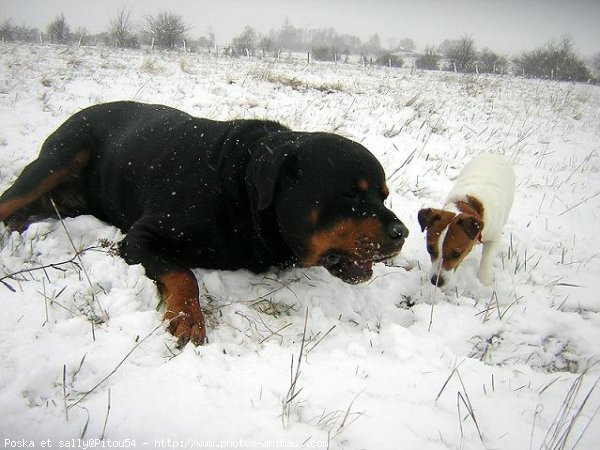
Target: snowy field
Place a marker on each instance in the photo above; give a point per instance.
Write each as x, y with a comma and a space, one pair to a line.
390, 364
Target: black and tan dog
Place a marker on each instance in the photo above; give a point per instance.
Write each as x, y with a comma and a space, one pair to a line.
193, 192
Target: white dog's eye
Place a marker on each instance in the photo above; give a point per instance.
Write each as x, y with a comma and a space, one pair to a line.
430, 249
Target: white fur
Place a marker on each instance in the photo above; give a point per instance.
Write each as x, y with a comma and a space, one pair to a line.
491, 180
436, 265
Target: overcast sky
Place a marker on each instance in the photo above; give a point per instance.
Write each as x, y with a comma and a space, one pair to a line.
507, 26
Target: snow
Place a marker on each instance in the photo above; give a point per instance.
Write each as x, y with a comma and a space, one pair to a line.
391, 363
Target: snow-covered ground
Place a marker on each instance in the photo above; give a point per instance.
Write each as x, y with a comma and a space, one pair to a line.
390, 364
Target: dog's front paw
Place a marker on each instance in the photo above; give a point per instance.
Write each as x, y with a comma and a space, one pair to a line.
187, 326
179, 290
486, 276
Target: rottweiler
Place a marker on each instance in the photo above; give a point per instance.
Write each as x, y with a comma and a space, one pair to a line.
193, 192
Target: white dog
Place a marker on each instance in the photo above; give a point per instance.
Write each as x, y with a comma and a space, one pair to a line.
475, 211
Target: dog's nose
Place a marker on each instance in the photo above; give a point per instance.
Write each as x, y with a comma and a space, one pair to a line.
397, 230
438, 281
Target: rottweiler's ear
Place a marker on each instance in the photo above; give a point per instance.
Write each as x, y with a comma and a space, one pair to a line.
471, 225
264, 173
427, 216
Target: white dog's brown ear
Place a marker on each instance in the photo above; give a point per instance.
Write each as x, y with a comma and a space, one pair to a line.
427, 216
471, 225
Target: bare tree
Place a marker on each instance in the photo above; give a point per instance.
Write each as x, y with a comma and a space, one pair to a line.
266, 43
373, 45
595, 63
245, 41
207, 43
6, 31
491, 62
461, 54
58, 30
289, 37
166, 28
25, 34
407, 44
119, 28
81, 34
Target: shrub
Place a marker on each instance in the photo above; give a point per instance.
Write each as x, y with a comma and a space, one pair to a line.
553, 60
6, 31
490, 62
24, 33
596, 65
389, 59
324, 53
429, 59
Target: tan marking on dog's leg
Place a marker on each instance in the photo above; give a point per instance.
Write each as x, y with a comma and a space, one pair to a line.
179, 290
11, 206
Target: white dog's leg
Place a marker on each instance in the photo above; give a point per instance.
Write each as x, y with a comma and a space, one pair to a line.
488, 252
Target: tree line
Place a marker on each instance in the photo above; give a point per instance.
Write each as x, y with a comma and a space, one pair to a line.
555, 59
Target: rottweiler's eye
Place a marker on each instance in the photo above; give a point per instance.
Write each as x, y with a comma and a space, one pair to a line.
353, 197
430, 249
455, 254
